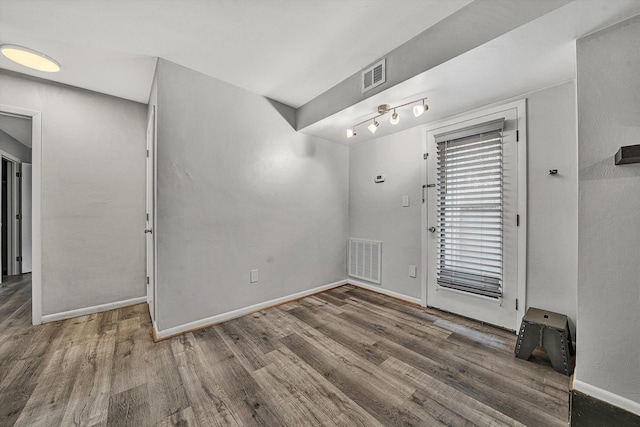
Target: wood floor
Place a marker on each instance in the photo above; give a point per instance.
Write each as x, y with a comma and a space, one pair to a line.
346, 357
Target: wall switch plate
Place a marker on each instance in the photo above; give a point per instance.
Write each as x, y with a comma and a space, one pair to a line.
253, 276
405, 201
413, 271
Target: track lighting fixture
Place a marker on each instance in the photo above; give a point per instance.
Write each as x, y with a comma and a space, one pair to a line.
395, 118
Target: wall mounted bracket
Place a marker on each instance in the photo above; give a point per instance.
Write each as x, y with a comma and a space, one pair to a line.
628, 154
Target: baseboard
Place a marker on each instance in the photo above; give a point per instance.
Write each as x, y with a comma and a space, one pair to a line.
209, 321
607, 396
587, 411
93, 309
383, 291
154, 328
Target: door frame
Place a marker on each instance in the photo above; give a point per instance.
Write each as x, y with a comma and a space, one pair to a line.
521, 111
150, 208
36, 206
25, 218
13, 228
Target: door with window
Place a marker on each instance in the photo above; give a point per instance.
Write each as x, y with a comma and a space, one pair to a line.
472, 218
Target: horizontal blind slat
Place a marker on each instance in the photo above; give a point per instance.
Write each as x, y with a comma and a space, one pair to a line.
471, 276
495, 254
475, 289
479, 151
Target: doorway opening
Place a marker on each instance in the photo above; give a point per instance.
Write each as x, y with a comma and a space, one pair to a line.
15, 196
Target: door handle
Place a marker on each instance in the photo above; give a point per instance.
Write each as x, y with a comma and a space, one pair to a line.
432, 229
148, 230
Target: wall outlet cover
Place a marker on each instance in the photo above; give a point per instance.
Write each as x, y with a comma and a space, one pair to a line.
405, 201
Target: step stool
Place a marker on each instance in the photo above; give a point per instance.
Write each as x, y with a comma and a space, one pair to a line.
549, 330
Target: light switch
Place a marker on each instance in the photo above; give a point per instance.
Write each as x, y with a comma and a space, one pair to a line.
253, 276
413, 271
405, 201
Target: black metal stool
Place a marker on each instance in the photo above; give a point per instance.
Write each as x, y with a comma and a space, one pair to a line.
549, 330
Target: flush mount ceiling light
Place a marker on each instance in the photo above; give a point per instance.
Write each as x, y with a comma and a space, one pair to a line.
395, 118
30, 58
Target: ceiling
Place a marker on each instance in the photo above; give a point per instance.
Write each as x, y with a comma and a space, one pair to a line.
287, 50
539, 54
294, 50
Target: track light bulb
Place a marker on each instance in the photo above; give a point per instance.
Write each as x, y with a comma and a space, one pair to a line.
373, 127
394, 118
419, 109
351, 132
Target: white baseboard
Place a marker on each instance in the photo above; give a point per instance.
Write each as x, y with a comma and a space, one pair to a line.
91, 310
384, 291
198, 324
607, 396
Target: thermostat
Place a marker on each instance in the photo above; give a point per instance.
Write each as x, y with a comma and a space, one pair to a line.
379, 178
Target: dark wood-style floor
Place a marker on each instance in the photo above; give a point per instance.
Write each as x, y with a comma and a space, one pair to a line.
346, 357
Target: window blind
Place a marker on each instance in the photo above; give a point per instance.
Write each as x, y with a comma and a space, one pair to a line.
470, 209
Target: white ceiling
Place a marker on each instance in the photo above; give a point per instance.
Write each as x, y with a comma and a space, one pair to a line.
294, 50
287, 50
537, 55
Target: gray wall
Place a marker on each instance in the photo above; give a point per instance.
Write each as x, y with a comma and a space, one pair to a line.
376, 212
552, 233
12, 146
239, 189
93, 153
609, 211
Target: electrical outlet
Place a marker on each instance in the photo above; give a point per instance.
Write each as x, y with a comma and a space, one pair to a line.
405, 201
253, 276
413, 271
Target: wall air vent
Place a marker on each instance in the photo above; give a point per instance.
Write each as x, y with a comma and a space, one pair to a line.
374, 76
365, 258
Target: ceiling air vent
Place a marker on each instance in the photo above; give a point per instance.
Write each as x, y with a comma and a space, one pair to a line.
374, 76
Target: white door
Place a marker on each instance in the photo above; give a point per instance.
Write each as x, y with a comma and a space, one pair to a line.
472, 207
25, 223
149, 230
